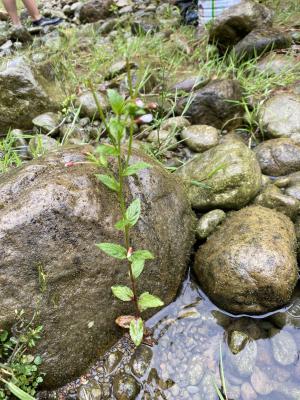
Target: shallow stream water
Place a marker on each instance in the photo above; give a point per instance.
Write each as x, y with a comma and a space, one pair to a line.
191, 334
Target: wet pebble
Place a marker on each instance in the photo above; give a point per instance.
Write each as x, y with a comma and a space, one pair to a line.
244, 362
141, 360
125, 387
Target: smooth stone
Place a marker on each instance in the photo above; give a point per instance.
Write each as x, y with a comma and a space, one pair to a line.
229, 173
112, 361
275, 64
244, 361
284, 348
208, 223
247, 392
88, 107
293, 191
280, 116
278, 157
125, 387
272, 197
261, 382
163, 138
90, 391
190, 84
216, 104
174, 124
195, 371
200, 138
237, 341
260, 41
140, 361
253, 242
47, 122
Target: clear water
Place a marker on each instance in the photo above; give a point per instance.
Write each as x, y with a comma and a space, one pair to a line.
190, 331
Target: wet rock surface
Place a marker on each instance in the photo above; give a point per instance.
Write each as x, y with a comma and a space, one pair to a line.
236, 180
278, 157
281, 116
25, 92
248, 265
237, 21
51, 202
216, 104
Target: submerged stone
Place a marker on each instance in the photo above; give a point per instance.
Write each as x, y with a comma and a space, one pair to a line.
284, 348
125, 387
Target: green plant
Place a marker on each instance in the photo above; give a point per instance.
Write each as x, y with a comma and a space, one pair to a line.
222, 393
126, 113
19, 373
9, 156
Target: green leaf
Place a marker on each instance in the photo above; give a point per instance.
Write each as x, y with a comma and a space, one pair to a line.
123, 293
137, 268
134, 168
106, 149
133, 212
38, 360
136, 331
121, 224
116, 101
147, 300
3, 336
113, 250
109, 181
116, 128
141, 255
15, 390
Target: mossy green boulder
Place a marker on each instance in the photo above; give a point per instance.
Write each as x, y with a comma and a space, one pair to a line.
229, 177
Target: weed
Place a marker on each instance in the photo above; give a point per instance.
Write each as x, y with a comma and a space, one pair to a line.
19, 373
126, 114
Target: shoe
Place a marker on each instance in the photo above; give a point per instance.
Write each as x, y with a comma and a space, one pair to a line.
47, 21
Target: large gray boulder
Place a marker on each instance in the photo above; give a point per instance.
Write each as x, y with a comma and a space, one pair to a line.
217, 104
51, 217
26, 91
249, 264
237, 21
229, 177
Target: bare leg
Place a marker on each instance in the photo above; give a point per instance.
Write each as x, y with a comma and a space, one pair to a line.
11, 8
32, 9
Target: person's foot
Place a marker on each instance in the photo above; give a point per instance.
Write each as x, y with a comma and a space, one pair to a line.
47, 21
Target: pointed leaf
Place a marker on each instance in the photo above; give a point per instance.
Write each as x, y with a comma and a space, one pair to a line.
15, 390
109, 181
134, 168
123, 293
147, 300
133, 212
136, 331
116, 101
137, 268
141, 255
106, 149
113, 250
124, 321
116, 128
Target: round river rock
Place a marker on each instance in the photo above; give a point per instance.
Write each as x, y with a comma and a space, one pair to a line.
248, 265
51, 217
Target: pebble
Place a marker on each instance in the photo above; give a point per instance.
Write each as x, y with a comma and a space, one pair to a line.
284, 348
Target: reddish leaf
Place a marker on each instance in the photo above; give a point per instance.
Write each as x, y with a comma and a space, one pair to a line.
124, 321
